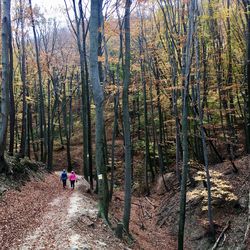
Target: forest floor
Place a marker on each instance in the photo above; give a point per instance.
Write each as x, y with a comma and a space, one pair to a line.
230, 206
154, 219
43, 215
144, 230
50, 217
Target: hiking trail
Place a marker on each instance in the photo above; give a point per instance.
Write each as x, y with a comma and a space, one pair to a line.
68, 221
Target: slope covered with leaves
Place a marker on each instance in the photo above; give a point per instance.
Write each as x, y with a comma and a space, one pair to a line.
42, 215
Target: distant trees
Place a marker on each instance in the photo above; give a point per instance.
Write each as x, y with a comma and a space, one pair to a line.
173, 85
79, 25
41, 113
22, 58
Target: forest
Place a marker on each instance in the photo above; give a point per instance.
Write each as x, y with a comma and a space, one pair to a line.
148, 101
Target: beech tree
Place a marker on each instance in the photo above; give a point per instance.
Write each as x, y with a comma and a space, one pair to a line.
187, 60
23, 78
6, 34
173, 85
247, 14
126, 119
42, 122
98, 100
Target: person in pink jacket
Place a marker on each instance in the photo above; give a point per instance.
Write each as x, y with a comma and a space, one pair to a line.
72, 178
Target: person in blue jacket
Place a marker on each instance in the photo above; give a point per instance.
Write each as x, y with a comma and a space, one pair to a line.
64, 178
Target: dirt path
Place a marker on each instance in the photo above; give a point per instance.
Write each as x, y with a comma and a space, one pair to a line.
69, 221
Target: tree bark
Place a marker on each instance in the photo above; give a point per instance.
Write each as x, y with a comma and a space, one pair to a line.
247, 10
187, 56
42, 125
5, 80
12, 100
98, 100
126, 119
23, 78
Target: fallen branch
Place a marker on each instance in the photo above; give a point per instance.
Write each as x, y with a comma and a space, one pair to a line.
148, 214
248, 223
151, 203
224, 239
221, 235
140, 217
132, 203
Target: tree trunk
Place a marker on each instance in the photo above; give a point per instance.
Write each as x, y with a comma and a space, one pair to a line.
126, 120
23, 77
98, 100
49, 162
115, 127
42, 125
5, 80
146, 135
66, 130
186, 74
12, 100
203, 135
81, 37
247, 9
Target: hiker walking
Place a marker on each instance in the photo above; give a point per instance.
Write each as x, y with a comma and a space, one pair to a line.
72, 179
64, 178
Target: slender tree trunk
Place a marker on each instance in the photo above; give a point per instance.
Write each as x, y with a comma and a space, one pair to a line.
98, 99
85, 127
5, 80
30, 121
42, 125
70, 104
247, 9
28, 129
60, 126
187, 65
160, 117
147, 156
116, 102
66, 130
51, 120
89, 155
138, 114
49, 162
203, 136
126, 120
23, 77
114, 132
230, 115
12, 100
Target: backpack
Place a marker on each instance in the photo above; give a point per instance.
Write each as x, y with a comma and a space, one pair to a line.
64, 176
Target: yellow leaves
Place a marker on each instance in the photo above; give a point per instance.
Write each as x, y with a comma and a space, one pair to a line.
111, 27
111, 89
101, 59
135, 67
29, 100
174, 88
18, 84
113, 60
221, 189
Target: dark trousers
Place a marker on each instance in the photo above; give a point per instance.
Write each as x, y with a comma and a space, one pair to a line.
64, 183
72, 184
